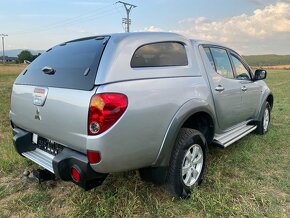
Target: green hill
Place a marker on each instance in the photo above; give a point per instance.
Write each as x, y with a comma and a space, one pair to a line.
267, 60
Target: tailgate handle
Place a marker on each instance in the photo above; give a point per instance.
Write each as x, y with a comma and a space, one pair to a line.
48, 70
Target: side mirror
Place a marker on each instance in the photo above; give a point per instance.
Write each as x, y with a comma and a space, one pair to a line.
260, 74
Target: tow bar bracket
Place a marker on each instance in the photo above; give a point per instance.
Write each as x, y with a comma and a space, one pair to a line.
43, 175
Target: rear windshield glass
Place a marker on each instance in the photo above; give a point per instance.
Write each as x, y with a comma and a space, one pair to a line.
70, 65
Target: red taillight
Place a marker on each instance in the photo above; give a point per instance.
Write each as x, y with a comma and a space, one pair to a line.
105, 109
94, 157
76, 176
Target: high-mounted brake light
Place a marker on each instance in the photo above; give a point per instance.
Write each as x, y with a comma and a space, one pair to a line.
105, 110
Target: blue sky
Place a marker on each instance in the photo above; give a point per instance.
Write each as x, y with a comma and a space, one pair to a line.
249, 26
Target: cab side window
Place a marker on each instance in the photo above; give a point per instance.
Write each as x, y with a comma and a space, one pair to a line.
241, 72
208, 54
222, 62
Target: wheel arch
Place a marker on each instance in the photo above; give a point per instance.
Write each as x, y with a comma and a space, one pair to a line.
203, 122
192, 114
268, 98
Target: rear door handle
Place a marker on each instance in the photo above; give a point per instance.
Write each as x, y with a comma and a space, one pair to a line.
219, 88
244, 88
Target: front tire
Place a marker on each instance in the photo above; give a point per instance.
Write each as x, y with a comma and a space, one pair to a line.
263, 125
188, 162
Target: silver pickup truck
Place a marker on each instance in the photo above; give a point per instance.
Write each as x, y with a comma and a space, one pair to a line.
147, 101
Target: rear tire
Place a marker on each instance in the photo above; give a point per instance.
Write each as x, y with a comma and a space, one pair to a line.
188, 162
263, 125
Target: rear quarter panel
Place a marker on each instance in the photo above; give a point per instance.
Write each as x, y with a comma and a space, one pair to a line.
135, 140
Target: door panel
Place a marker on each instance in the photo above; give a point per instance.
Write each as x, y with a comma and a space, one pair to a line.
250, 91
250, 99
227, 102
226, 92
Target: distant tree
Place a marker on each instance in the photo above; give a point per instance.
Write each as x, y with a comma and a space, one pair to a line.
25, 55
35, 56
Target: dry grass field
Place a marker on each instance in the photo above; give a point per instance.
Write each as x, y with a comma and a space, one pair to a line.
250, 178
11, 69
279, 67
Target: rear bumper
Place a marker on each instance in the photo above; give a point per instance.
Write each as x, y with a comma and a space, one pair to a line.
59, 164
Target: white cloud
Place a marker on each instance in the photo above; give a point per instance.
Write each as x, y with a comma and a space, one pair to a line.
152, 29
256, 33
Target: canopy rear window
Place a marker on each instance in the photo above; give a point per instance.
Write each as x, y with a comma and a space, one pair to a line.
160, 54
71, 65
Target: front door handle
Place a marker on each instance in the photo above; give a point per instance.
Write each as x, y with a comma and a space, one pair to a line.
244, 88
219, 88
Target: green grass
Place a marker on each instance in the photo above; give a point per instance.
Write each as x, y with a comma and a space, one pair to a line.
250, 178
267, 60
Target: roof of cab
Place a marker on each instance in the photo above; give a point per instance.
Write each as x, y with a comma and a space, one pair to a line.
131, 35
146, 35
140, 35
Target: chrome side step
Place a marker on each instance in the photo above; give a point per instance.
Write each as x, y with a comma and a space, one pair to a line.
40, 157
224, 140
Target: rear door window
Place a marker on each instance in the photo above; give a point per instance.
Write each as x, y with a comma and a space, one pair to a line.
222, 62
209, 56
74, 63
160, 54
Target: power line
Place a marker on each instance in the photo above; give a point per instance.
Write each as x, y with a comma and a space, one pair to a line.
77, 19
128, 7
59, 23
3, 56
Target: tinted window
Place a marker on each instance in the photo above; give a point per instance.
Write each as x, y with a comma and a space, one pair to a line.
75, 64
241, 72
208, 53
160, 55
222, 62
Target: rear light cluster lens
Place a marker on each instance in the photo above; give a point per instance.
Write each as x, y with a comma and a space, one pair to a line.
105, 109
94, 157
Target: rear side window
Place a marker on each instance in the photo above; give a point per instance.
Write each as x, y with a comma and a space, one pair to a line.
222, 62
208, 54
74, 64
160, 55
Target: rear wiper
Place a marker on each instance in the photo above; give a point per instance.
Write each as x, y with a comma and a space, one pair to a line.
48, 70
87, 71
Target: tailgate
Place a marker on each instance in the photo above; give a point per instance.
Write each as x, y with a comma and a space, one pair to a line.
52, 95
62, 118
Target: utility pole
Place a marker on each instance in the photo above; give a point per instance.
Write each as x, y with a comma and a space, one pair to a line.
127, 21
3, 57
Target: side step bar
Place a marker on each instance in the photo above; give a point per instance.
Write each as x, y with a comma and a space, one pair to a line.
40, 157
224, 140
